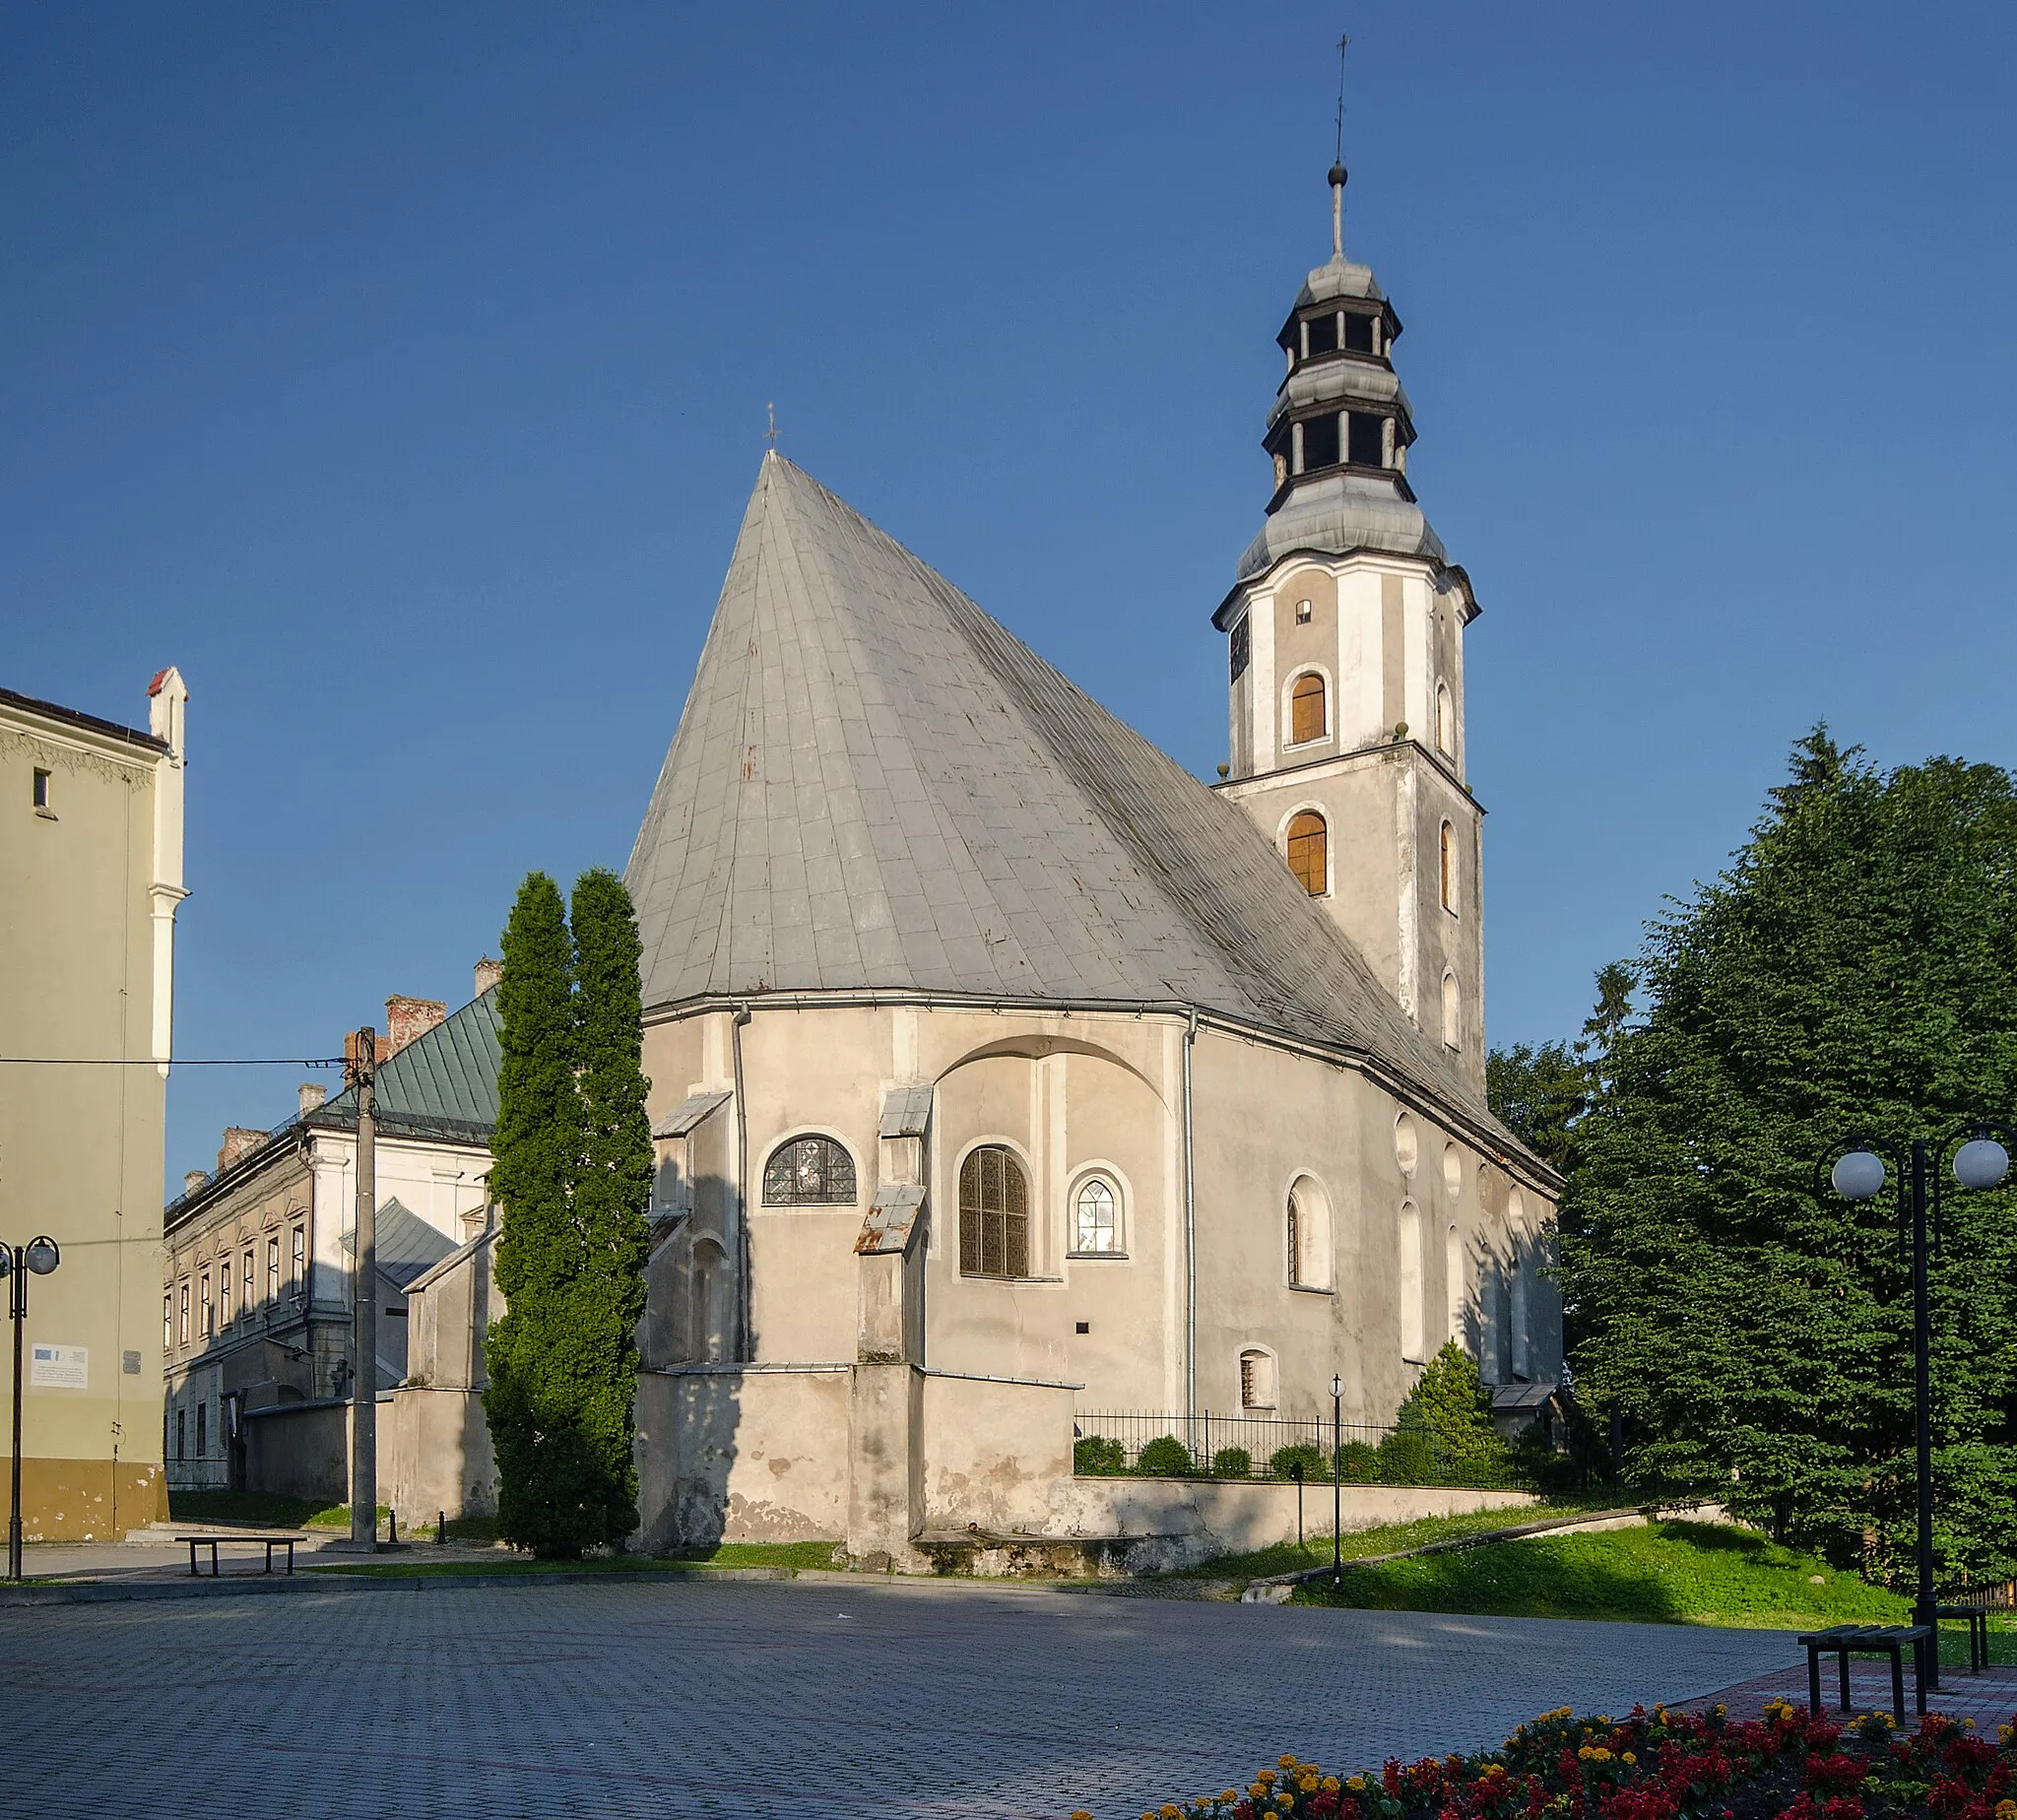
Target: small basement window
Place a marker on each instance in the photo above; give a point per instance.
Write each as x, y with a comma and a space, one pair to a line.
1358, 334
1320, 334
1368, 440
1319, 443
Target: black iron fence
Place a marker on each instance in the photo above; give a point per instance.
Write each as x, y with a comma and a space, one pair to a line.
1109, 1441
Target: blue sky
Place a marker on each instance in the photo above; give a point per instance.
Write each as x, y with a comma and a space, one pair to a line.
401, 373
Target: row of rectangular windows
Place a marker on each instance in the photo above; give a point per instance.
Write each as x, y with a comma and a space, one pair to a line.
175, 1308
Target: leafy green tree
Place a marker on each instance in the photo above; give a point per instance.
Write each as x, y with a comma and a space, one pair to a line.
1853, 970
571, 1170
1537, 1093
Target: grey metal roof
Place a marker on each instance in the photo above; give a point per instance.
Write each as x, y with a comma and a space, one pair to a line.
891, 1218
1339, 512
1338, 276
689, 1113
443, 1084
906, 1112
407, 1247
875, 786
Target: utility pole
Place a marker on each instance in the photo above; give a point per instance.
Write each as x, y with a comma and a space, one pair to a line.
360, 1065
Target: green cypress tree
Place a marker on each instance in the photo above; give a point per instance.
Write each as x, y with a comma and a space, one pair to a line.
1853, 970
612, 1189
536, 1151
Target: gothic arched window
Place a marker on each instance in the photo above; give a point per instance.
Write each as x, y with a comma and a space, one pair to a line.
1309, 854
994, 1214
1094, 1227
809, 1172
1306, 708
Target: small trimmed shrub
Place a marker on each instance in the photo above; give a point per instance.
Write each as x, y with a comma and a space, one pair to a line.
1284, 1460
1094, 1453
1410, 1457
1166, 1457
1358, 1463
1232, 1463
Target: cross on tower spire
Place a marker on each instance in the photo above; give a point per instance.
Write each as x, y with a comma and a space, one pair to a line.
1338, 171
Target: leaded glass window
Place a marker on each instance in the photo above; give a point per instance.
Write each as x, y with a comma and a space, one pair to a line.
1093, 1227
809, 1172
994, 1214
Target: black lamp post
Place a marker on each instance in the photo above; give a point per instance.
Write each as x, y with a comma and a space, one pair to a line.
1337, 1480
1980, 1162
17, 1262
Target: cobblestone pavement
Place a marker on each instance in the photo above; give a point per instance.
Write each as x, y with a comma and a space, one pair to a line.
1989, 1697
765, 1700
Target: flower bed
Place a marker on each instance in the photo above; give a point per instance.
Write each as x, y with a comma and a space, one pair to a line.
1658, 1766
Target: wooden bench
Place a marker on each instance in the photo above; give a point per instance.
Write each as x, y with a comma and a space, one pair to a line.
1976, 1619
271, 1543
1891, 1640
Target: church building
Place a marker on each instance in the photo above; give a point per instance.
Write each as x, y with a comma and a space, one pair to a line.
1004, 1071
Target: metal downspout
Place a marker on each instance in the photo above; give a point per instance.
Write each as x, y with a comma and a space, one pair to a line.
742, 1350
1189, 1238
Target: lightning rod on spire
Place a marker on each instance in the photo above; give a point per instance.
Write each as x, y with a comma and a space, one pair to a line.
1338, 171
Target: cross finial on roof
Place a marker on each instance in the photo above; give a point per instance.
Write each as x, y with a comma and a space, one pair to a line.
770, 435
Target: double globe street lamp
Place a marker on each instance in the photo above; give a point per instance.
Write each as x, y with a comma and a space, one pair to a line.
1982, 1161
39, 1256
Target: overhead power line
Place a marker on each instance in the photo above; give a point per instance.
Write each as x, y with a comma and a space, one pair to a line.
172, 1061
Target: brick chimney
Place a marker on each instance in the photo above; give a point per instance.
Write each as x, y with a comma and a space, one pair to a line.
311, 1095
239, 1141
489, 973
406, 1019
194, 1180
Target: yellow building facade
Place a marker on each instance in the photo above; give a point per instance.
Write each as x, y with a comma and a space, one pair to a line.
91, 878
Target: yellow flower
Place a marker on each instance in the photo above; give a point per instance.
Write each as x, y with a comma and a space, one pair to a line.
1630, 1757
1228, 1798
1331, 1787
1079, 1813
2006, 1810
1267, 1779
1287, 1760
1169, 1810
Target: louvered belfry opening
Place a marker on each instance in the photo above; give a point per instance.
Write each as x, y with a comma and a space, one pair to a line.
994, 1214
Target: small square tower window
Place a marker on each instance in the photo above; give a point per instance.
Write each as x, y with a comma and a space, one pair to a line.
42, 790
1303, 613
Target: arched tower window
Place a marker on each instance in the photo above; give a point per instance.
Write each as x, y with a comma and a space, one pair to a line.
994, 1214
809, 1172
1306, 719
1452, 1014
1309, 852
1445, 721
1447, 846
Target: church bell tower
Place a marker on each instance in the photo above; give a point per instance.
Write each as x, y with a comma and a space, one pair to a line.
1344, 635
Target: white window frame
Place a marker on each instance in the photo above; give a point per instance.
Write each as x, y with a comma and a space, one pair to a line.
1108, 1178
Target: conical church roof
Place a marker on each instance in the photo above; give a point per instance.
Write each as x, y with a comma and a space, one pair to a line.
875, 786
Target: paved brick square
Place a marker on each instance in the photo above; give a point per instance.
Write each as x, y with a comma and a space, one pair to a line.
765, 1700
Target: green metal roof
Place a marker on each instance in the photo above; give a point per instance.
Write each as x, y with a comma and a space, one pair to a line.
443, 1084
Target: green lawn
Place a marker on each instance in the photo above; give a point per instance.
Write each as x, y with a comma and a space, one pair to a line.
260, 1510
1386, 1538
1668, 1573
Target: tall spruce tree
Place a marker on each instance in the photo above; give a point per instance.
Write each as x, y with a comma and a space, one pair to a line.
571, 1172
1854, 969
